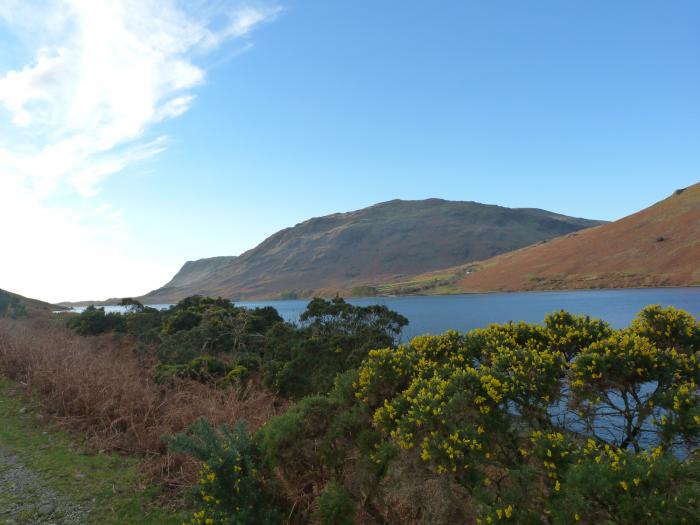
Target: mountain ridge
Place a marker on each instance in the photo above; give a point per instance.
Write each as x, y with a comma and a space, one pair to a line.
658, 246
384, 241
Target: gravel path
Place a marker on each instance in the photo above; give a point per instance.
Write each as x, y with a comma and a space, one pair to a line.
26, 500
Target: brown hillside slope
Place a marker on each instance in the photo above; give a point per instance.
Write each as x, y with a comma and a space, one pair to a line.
658, 246
375, 244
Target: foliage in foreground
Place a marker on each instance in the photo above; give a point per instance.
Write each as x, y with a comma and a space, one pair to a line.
230, 490
570, 421
100, 388
566, 422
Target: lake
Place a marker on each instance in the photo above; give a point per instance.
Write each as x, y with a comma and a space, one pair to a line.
435, 314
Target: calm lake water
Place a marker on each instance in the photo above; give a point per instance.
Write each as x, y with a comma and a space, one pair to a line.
435, 314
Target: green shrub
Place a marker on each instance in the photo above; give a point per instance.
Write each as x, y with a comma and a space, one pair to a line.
293, 360
231, 489
207, 367
295, 440
204, 326
241, 368
165, 373
333, 336
203, 368
145, 325
181, 321
94, 321
653, 489
322, 437
565, 422
335, 505
262, 319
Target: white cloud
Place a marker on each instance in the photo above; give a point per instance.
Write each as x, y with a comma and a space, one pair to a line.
100, 75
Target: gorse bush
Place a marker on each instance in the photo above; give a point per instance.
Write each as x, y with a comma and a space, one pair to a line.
229, 491
570, 421
625, 487
526, 409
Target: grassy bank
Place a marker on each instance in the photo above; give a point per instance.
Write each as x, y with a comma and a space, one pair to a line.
109, 487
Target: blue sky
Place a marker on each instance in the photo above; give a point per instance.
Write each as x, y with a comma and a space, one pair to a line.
250, 117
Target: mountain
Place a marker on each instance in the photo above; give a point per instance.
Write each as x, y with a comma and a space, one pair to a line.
658, 246
383, 242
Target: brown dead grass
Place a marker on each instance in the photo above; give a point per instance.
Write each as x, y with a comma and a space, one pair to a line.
100, 388
658, 246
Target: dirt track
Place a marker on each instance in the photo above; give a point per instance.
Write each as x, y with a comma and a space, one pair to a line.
25, 498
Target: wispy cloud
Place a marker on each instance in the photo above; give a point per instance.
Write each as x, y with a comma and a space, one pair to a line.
104, 72
99, 76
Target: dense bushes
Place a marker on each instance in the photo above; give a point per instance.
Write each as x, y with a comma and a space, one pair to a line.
212, 340
570, 421
571, 415
94, 321
566, 422
333, 336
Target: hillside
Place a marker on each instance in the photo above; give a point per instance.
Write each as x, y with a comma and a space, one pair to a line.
380, 243
658, 246
13, 304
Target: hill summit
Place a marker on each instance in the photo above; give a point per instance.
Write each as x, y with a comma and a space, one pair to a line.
658, 246
379, 243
